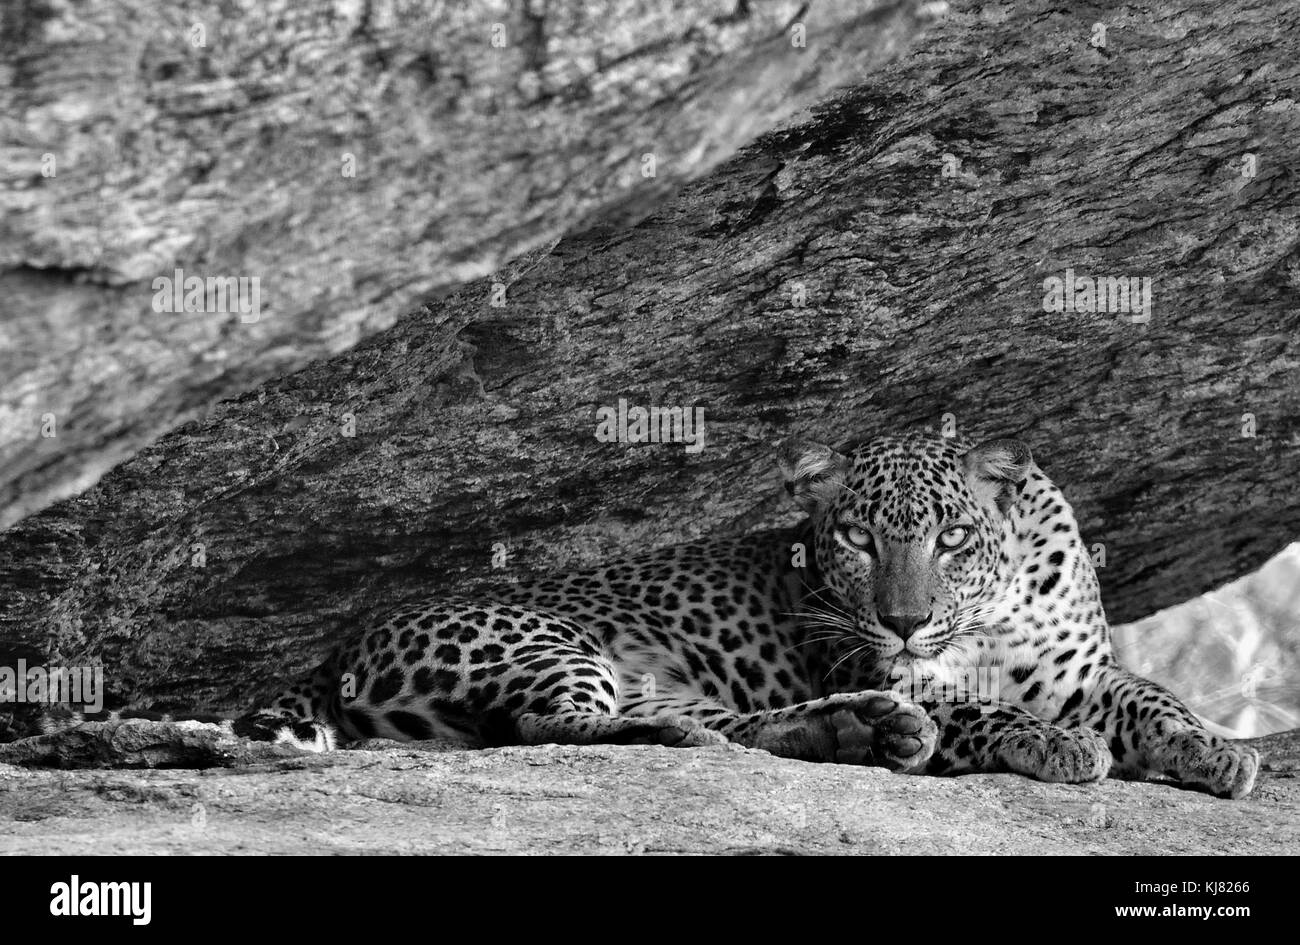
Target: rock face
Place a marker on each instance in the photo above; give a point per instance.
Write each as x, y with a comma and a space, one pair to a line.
353, 157
635, 800
885, 265
881, 267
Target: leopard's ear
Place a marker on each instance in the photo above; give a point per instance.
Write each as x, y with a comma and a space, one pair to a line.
812, 471
997, 469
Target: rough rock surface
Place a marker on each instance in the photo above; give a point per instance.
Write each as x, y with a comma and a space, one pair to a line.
627, 800
878, 267
355, 156
834, 279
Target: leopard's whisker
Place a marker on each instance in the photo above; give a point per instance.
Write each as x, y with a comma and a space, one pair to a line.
817, 593
824, 607
846, 656
826, 620
832, 640
826, 615
827, 625
822, 638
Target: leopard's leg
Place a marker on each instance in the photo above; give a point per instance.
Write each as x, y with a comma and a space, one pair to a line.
563, 723
560, 688
866, 728
999, 737
1150, 732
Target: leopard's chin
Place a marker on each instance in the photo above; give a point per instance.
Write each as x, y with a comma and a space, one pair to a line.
908, 668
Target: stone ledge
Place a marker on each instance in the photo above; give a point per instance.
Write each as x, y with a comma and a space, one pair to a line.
616, 799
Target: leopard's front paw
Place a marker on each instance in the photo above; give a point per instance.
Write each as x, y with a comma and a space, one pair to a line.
1222, 767
875, 728
1060, 755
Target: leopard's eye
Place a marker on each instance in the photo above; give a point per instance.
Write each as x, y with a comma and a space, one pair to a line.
953, 538
858, 537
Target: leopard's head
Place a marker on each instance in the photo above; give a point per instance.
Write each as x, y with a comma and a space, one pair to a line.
911, 536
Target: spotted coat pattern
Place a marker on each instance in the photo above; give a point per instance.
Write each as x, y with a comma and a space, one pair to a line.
923, 561
690, 645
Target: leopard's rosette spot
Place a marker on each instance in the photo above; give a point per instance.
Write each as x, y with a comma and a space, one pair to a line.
951, 572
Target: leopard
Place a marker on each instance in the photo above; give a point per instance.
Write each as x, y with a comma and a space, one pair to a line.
934, 611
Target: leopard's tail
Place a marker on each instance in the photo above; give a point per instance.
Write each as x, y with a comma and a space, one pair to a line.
50, 719
302, 715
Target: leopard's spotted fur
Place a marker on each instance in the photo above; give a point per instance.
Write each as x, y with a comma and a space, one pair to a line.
691, 645
800, 641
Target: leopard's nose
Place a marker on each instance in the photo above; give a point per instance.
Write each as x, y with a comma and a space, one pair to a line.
904, 624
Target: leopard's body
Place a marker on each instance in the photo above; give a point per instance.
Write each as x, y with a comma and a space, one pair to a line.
689, 645
815, 642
